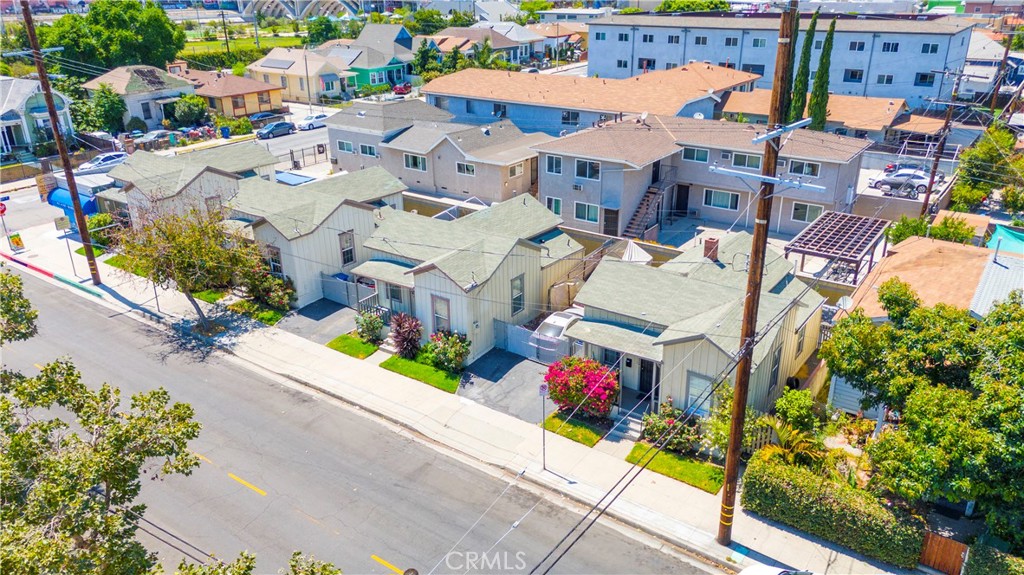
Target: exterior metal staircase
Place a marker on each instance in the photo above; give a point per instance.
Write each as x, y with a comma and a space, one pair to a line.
647, 210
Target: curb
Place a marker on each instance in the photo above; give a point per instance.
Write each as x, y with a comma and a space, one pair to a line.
692, 549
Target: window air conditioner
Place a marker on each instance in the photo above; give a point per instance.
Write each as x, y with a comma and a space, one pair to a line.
577, 188
726, 155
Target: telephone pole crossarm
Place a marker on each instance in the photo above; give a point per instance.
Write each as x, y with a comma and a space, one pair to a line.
768, 179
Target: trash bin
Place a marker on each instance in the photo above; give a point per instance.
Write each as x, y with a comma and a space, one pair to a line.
225, 132
173, 138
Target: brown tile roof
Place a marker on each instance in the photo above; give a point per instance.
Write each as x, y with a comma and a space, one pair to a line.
857, 112
477, 35
637, 144
663, 92
557, 30
447, 43
221, 85
939, 271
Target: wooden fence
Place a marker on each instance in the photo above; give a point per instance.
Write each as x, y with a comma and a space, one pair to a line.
943, 554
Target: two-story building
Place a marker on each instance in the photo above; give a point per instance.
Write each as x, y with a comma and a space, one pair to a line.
890, 56
382, 54
857, 116
24, 120
626, 177
558, 105
414, 141
146, 91
291, 68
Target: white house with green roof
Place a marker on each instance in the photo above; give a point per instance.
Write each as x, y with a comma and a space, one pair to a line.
671, 330
317, 230
474, 275
146, 90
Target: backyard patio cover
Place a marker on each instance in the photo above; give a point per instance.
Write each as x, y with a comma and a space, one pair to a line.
842, 237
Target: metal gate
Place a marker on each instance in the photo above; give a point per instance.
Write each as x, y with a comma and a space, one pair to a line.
521, 341
942, 553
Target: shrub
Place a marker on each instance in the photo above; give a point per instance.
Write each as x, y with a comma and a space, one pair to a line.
906, 228
796, 407
191, 109
96, 221
447, 350
406, 332
984, 560
1013, 199
271, 290
369, 326
238, 126
687, 435
833, 511
136, 123
966, 197
219, 59
584, 383
858, 431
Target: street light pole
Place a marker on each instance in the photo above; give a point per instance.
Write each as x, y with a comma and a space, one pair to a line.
69, 175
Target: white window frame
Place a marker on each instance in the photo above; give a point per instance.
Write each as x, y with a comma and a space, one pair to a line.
588, 163
567, 117
345, 147
890, 47
518, 294
759, 43
700, 40
586, 212
347, 242
792, 212
621, 64
623, 37
548, 164
368, 150
732, 41
746, 163
695, 158
705, 199
801, 337
803, 166
415, 159
600, 36
647, 39
273, 254
929, 48
702, 408
673, 38
284, 81
554, 205
919, 84
849, 73
515, 170
884, 80
441, 321
465, 169
302, 83
857, 45
393, 291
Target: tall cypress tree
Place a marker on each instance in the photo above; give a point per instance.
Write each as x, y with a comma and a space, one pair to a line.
818, 107
803, 73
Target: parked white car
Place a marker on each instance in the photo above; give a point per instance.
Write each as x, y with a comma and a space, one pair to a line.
102, 163
312, 121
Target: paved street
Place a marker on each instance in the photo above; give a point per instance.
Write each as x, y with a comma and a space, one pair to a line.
285, 470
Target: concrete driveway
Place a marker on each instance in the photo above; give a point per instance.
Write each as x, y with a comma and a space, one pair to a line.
320, 321
508, 383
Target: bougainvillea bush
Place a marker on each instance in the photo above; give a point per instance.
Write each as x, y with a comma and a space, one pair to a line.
579, 381
671, 421
447, 350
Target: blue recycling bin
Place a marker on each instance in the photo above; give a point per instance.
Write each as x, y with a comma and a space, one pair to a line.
225, 132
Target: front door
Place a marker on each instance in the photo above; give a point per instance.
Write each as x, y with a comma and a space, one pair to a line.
682, 200
646, 375
611, 222
655, 172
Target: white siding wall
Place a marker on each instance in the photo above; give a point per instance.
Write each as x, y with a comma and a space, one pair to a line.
192, 196
557, 272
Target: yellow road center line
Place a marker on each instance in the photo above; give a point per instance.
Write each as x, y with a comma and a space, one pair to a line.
202, 457
386, 564
37, 366
308, 516
247, 484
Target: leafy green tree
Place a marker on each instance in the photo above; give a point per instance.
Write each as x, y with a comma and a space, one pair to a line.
115, 33
692, 6
485, 57
987, 160
818, 107
428, 22
191, 109
17, 317
352, 28
803, 73
69, 485
796, 407
632, 10
454, 61
715, 427
83, 113
109, 109
425, 59
460, 19
238, 69
245, 564
188, 251
795, 446
530, 9
322, 29
898, 299
950, 229
953, 229
906, 228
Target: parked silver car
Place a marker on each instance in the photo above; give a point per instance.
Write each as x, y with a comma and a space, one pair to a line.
102, 163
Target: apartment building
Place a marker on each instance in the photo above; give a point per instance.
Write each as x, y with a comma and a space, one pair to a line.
885, 56
626, 178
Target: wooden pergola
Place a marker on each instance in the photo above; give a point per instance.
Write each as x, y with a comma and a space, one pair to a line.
846, 240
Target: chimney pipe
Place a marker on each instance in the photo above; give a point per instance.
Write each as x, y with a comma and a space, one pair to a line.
711, 249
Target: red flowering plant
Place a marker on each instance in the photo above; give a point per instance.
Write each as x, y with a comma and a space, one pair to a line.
580, 381
670, 421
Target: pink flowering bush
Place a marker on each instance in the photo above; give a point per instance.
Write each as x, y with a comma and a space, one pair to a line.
447, 350
670, 420
579, 381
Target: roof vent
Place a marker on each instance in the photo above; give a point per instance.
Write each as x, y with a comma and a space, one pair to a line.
486, 131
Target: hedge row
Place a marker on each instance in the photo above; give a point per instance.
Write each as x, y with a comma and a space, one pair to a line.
984, 560
833, 511
220, 60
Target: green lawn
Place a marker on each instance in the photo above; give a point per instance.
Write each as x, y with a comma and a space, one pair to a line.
210, 295
428, 374
96, 251
257, 311
700, 474
352, 345
579, 431
119, 261
267, 41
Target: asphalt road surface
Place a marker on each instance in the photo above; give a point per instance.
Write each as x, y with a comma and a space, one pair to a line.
301, 139
285, 470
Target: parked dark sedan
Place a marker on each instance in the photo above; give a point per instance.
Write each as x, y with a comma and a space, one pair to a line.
275, 129
261, 116
912, 181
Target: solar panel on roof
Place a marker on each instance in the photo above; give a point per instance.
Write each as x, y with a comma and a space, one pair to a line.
279, 64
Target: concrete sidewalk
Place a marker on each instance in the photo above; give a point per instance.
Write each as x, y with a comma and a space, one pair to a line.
667, 508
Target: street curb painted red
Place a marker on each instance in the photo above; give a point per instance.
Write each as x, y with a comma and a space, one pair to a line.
32, 267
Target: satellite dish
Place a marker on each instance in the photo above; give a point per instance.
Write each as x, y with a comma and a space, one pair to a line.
845, 303
643, 116
698, 116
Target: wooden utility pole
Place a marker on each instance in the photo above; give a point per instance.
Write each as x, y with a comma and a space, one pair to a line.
776, 117
44, 83
943, 135
999, 77
227, 39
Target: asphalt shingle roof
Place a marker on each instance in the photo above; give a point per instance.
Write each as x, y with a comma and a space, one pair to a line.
744, 21
385, 117
1001, 276
137, 80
